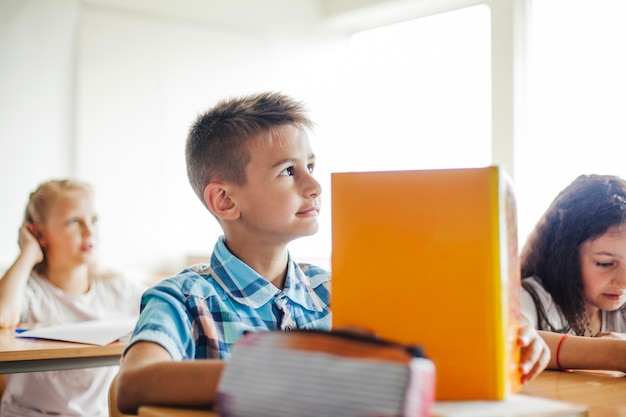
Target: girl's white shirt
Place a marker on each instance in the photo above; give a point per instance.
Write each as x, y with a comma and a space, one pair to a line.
77, 392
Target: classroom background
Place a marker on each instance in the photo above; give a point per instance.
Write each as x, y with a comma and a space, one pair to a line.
105, 90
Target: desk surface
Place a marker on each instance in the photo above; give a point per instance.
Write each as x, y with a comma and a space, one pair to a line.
175, 412
604, 394
27, 355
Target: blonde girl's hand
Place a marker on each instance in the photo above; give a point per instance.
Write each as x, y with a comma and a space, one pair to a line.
29, 243
535, 354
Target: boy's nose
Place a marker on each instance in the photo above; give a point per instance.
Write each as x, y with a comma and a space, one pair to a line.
314, 189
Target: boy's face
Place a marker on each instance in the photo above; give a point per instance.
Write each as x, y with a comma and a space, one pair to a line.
280, 200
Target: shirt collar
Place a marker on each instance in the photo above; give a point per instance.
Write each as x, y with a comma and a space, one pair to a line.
247, 287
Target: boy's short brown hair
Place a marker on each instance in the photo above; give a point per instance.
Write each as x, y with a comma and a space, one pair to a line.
216, 144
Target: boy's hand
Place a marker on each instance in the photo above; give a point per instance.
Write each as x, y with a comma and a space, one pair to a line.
535, 354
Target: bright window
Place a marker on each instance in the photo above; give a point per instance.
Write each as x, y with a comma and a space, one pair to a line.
576, 100
415, 95
420, 94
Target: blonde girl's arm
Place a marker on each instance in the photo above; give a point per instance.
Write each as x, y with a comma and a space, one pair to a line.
14, 279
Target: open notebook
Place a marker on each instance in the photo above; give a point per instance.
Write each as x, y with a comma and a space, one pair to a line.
95, 332
430, 257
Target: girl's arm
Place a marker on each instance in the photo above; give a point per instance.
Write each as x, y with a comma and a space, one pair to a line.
149, 376
577, 352
14, 280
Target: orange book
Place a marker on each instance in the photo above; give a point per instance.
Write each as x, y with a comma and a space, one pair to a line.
430, 257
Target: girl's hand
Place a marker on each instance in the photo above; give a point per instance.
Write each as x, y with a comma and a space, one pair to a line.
29, 243
535, 354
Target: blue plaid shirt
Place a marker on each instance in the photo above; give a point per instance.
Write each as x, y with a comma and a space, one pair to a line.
204, 310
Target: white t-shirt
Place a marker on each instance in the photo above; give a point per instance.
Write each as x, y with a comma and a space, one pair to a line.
76, 392
612, 321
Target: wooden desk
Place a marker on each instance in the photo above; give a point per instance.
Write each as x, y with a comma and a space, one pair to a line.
175, 412
29, 355
604, 394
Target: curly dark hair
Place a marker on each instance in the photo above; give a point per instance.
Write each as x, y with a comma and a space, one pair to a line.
584, 210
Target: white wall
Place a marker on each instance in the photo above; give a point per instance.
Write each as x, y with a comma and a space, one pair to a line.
107, 94
36, 102
114, 100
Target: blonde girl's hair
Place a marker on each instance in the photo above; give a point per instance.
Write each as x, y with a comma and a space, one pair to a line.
46, 194
38, 207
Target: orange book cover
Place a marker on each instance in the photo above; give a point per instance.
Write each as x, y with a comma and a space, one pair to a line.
430, 257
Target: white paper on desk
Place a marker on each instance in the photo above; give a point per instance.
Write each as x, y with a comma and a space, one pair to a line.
95, 332
516, 405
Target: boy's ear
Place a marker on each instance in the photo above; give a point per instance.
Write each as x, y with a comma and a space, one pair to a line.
217, 198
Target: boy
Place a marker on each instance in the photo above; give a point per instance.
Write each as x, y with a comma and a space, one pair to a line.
250, 162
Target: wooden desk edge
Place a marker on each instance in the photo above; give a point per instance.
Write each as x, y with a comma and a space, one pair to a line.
541, 388
67, 350
154, 411
57, 364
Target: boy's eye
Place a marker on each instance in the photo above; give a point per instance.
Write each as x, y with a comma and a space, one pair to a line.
311, 168
604, 264
287, 171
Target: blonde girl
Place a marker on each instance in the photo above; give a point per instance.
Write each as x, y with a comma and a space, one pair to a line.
53, 280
